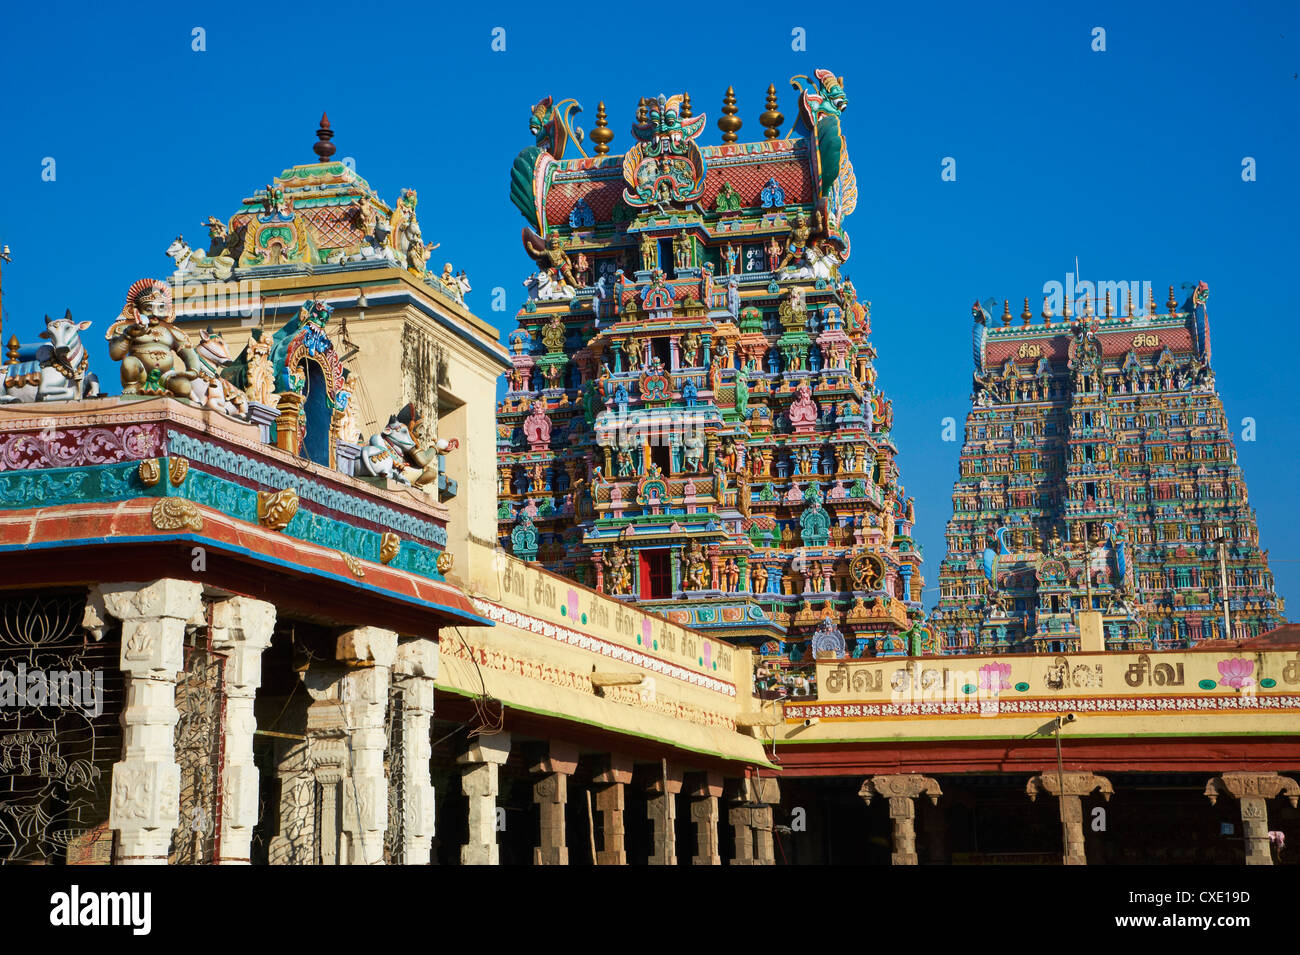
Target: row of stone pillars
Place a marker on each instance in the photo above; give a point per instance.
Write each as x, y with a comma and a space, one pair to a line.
335, 785
1250, 789
552, 765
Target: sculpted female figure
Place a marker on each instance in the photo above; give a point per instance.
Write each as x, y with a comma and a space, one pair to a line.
157, 358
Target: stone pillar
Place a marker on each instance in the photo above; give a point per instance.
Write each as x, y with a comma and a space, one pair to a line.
479, 781
146, 790
553, 764
327, 759
661, 786
1076, 785
414, 673
704, 790
900, 790
241, 629
295, 843
752, 821
612, 774
1252, 792
369, 653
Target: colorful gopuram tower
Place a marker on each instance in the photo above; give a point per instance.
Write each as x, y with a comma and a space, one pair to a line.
693, 420
1099, 474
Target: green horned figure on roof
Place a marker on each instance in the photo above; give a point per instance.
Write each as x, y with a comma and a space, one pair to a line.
552, 129
820, 106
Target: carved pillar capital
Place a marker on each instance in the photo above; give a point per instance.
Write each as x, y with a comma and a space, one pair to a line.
901, 789
1070, 788
1252, 792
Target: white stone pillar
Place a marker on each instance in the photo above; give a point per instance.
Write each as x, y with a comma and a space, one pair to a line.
370, 653
296, 840
145, 802
479, 781
327, 760
414, 673
241, 629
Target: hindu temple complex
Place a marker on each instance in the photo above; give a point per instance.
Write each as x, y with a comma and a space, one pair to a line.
289, 582
693, 419
1099, 474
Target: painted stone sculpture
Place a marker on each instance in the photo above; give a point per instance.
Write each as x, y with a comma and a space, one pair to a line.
157, 358
58, 370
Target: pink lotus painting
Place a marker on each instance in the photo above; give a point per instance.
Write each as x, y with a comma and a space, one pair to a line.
1237, 672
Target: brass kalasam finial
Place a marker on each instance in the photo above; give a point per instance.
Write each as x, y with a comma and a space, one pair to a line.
323, 148
1006, 311
1047, 310
729, 122
1065, 308
1173, 302
1026, 316
686, 106
1151, 304
1109, 311
602, 135
642, 115
1129, 314
771, 118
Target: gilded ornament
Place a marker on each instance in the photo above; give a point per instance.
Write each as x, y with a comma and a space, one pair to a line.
149, 472
445, 560
173, 513
177, 468
275, 509
389, 545
354, 565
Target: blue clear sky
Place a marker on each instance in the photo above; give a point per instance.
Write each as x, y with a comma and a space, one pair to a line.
1129, 159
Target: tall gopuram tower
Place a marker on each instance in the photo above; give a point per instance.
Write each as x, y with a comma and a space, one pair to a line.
692, 421
1099, 474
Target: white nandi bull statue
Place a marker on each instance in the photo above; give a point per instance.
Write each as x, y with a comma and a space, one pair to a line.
210, 389
201, 266
55, 371
386, 454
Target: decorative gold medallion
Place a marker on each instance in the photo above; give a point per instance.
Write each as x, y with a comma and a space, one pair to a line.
149, 472
389, 544
173, 513
177, 468
354, 565
275, 509
445, 561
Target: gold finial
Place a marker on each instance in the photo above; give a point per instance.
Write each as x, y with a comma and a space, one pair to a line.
1087, 307
1026, 316
323, 148
1173, 302
641, 115
1006, 311
1109, 311
729, 122
1151, 304
771, 118
602, 135
1129, 314
1047, 310
1065, 308
686, 106
14, 346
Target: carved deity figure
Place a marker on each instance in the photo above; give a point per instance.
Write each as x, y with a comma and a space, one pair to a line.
618, 576
649, 253
797, 243
696, 567
729, 255
690, 345
156, 357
